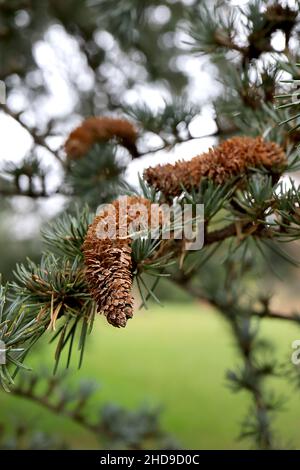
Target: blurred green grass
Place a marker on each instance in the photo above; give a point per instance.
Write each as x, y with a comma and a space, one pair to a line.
174, 357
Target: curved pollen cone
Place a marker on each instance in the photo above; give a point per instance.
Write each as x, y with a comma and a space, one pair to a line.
230, 158
107, 254
100, 129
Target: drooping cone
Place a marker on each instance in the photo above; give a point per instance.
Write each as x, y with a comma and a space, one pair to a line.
108, 258
230, 158
101, 129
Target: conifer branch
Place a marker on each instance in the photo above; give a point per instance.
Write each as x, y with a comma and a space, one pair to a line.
38, 139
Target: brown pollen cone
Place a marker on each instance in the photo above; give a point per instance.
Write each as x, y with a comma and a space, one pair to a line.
108, 259
230, 158
101, 129
280, 17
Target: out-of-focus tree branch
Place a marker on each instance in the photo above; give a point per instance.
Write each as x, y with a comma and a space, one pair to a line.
39, 139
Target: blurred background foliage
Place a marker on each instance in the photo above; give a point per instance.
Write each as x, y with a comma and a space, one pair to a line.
62, 61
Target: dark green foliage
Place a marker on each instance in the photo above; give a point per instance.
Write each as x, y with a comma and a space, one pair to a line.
18, 334
30, 170
57, 297
291, 101
98, 177
171, 123
66, 234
